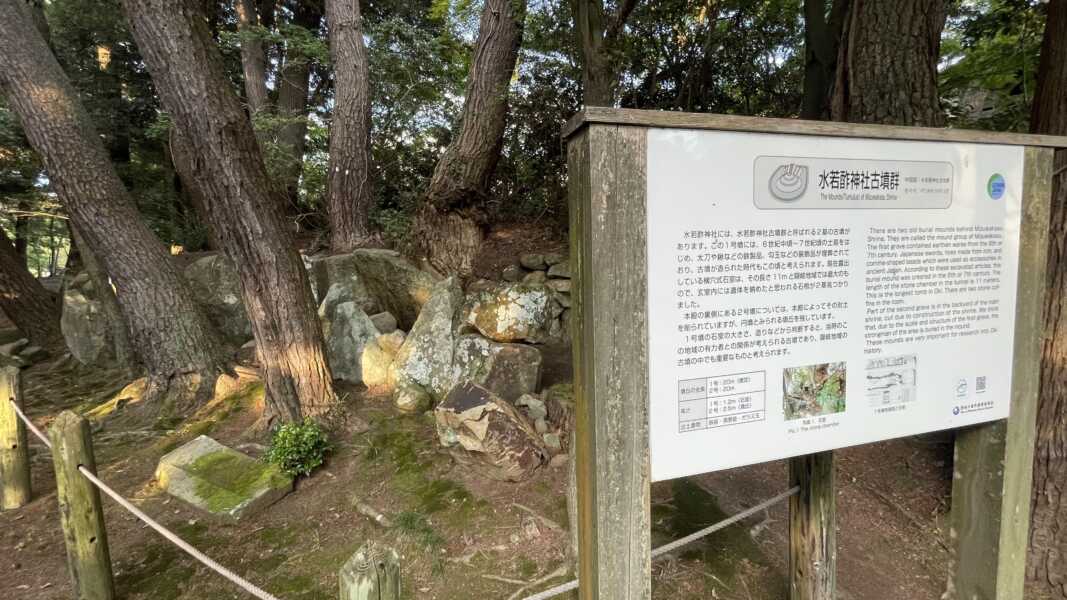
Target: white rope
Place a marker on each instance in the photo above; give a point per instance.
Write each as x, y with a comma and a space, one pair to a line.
30, 425
177, 541
571, 585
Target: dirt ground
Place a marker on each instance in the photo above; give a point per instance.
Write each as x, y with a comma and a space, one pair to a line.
460, 536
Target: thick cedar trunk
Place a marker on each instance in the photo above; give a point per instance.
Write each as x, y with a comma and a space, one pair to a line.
33, 309
349, 189
887, 64
293, 105
448, 227
822, 41
1047, 559
120, 336
253, 56
166, 328
596, 36
188, 72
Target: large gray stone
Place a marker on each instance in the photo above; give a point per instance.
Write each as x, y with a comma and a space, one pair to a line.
515, 312
85, 327
220, 480
347, 330
351, 290
218, 291
394, 283
484, 429
507, 370
426, 356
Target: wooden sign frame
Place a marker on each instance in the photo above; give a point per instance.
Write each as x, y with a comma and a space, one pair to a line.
606, 156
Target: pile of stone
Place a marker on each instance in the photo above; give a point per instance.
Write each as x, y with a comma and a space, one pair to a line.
553, 270
411, 336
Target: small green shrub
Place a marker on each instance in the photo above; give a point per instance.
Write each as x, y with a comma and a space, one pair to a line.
298, 448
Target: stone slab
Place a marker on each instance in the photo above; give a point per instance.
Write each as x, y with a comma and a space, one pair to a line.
221, 480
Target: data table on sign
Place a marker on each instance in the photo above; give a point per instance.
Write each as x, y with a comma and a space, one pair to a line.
722, 400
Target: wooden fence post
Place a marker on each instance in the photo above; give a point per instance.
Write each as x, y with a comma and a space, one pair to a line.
15, 489
989, 524
88, 559
812, 528
610, 347
373, 573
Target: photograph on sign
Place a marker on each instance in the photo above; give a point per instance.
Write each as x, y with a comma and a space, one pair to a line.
808, 293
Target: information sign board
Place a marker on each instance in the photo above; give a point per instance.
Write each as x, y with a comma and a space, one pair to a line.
808, 293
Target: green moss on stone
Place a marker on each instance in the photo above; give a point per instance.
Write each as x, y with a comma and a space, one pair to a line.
227, 479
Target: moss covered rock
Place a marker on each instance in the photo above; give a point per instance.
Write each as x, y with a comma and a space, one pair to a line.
426, 357
220, 480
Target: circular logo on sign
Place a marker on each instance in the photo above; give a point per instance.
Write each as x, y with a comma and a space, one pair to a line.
789, 182
995, 187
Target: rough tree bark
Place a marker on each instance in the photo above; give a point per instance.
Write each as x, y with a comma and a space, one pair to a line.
193, 86
448, 225
293, 106
597, 35
166, 327
822, 42
33, 309
349, 189
1047, 561
253, 56
887, 64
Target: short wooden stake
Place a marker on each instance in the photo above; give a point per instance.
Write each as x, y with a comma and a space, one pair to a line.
14, 453
812, 529
88, 559
373, 573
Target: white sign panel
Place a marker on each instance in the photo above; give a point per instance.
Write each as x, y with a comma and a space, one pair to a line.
810, 293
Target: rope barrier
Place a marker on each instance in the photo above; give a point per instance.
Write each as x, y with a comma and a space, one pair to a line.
572, 585
262, 595
166, 533
30, 425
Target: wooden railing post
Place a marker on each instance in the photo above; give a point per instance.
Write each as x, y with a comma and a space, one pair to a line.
14, 453
812, 528
88, 559
373, 573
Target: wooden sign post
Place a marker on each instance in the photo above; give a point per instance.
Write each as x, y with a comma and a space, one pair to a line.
619, 175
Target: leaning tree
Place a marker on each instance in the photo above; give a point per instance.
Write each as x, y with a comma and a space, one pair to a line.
239, 202
167, 329
448, 226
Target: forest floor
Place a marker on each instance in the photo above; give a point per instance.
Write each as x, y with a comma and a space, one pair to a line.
460, 536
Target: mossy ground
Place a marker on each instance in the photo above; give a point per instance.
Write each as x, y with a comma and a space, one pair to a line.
451, 526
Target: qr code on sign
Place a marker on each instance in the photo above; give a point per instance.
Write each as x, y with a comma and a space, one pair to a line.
979, 384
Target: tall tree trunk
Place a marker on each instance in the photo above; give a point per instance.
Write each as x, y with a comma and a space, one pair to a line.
596, 35
188, 72
822, 42
166, 326
448, 226
1047, 560
22, 230
122, 349
887, 64
349, 189
293, 106
33, 309
253, 56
